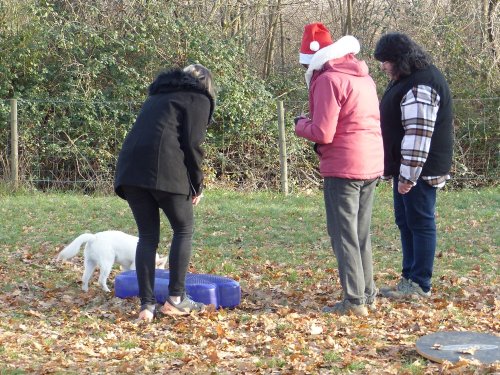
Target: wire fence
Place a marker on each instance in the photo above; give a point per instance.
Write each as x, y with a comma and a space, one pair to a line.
66, 144
477, 141
476, 156
70, 145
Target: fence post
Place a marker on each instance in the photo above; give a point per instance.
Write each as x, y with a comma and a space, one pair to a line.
14, 142
282, 144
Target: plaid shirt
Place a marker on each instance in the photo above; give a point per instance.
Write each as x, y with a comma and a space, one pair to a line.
419, 108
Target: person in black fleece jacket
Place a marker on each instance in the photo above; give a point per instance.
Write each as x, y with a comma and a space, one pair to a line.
159, 167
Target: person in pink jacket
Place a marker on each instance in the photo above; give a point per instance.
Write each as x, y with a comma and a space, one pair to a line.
344, 124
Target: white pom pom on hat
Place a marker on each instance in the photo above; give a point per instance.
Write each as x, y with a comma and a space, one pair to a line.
316, 36
314, 46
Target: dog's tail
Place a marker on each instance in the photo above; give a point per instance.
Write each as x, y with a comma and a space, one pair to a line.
74, 247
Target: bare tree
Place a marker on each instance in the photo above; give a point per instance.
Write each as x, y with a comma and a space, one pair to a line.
274, 13
490, 27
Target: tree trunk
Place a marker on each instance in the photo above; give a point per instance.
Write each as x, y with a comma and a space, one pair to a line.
491, 12
274, 11
348, 28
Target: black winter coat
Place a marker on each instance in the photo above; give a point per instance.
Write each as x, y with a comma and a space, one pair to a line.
163, 149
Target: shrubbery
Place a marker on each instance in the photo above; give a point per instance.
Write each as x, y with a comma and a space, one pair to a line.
82, 79
82, 69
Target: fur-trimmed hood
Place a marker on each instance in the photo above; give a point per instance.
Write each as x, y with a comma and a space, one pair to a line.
163, 150
344, 46
178, 80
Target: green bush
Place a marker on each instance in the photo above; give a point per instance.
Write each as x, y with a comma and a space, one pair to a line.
82, 69
76, 74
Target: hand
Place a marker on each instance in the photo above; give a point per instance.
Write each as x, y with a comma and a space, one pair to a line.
404, 188
296, 119
197, 199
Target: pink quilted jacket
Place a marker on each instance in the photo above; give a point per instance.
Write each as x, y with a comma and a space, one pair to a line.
344, 120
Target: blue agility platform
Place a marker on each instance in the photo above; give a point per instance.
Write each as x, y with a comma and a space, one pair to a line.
219, 291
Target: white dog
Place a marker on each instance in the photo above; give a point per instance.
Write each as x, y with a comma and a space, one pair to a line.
103, 249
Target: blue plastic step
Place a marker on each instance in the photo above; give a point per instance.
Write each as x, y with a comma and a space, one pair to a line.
217, 290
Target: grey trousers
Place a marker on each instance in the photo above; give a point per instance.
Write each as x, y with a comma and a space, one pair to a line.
349, 206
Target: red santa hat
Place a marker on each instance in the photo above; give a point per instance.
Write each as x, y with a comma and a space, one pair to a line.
316, 36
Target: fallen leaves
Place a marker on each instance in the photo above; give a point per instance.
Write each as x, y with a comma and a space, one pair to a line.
275, 336
284, 338
49, 325
315, 329
470, 350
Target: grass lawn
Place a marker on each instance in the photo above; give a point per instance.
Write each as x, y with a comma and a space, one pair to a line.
278, 249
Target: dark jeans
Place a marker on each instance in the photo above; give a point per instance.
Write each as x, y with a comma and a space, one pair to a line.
348, 206
145, 205
414, 213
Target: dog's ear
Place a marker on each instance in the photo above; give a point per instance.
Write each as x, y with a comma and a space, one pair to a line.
161, 263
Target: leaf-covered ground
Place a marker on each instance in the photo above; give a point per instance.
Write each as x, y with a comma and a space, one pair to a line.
48, 325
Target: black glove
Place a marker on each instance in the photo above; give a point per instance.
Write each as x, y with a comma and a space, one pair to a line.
296, 119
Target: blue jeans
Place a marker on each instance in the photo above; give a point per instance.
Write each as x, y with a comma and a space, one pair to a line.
145, 205
414, 213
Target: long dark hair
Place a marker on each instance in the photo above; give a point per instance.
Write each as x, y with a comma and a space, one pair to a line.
405, 55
